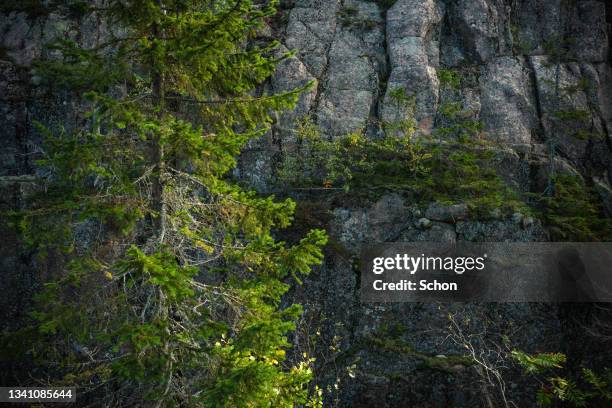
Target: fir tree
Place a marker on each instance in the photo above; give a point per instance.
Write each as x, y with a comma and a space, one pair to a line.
176, 298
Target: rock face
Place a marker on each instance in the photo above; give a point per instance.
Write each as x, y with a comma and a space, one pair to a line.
509, 110
413, 32
532, 71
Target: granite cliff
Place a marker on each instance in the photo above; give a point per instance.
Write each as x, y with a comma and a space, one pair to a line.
516, 66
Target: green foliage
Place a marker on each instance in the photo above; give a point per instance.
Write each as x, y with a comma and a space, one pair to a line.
350, 161
573, 115
169, 279
159, 269
459, 123
595, 389
388, 340
464, 172
348, 17
538, 363
558, 47
449, 172
456, 168
449, 78
578, 120
404, 124
520, 44
81, 69
573, 211
583, 134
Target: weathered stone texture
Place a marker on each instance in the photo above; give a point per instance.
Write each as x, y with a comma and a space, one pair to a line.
520, 64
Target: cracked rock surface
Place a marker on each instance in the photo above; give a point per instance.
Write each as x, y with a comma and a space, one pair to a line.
516, 75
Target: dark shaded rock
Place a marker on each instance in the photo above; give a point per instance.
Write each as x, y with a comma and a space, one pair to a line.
447, 213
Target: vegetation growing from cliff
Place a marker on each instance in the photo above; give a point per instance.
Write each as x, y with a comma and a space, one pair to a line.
569, 207
573, 211
452, 166
389, 339
168, 279
449, 78
590, 389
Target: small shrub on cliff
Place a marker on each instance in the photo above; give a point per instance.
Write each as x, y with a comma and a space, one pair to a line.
351, 162
458, 124
573, 211
449, 172
449, 78
457, 167
590, 389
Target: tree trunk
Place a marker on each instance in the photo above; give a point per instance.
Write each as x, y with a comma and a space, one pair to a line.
157, 150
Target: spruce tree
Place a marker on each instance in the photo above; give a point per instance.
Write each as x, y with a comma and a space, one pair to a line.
169, 281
